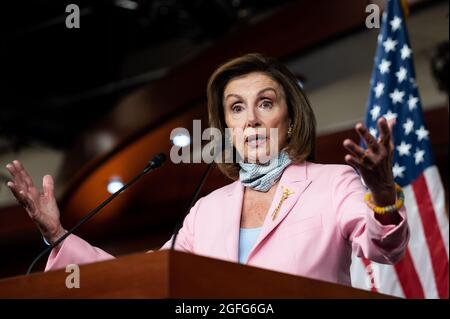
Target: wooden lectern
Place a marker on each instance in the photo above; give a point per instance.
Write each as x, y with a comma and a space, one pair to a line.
173, 274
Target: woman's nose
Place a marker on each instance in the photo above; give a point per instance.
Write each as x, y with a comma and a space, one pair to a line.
252, 118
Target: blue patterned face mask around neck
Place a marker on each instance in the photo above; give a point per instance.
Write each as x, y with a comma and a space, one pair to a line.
261, 177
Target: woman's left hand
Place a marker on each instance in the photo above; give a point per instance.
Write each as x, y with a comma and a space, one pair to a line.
375, 163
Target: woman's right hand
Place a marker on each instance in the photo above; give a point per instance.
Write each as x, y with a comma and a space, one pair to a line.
41, 206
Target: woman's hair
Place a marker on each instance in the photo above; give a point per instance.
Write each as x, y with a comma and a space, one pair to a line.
301, 145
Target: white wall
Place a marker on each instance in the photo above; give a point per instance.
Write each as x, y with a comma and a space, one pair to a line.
338, 74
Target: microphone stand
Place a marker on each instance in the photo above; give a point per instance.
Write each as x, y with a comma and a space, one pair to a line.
196, 193
193, 200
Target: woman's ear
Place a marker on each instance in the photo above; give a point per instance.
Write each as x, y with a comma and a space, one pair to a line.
290, 128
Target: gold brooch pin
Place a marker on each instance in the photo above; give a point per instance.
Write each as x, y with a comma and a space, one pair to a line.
286, 194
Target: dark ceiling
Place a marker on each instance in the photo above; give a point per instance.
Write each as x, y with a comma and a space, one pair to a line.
55, 81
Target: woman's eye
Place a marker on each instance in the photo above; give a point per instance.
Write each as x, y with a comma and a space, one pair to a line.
236, 108
266, 104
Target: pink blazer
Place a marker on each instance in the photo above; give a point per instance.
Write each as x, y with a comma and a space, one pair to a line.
314, 234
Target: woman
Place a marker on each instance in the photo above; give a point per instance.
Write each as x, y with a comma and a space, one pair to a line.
289, 215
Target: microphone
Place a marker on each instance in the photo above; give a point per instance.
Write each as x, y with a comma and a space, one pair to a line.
154, 163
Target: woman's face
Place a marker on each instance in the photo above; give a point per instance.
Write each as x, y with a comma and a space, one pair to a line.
254, 104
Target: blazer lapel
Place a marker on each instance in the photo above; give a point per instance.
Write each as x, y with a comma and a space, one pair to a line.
233, 209
295, 180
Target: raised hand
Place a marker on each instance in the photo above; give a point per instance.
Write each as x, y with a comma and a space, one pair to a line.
374, 163
41, 206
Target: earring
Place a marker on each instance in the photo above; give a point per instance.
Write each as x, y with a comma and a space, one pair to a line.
289, 132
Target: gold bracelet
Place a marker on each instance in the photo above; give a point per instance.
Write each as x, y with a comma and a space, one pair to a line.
386, 209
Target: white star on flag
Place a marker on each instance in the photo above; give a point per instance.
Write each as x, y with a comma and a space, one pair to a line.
375, 112
408, 126
397, 96
418, 156
379, 89
403, 149
384, 66
389, 115
401, 74
395, 23
405, 52
373, 132
398, 170
422, 133
412, 102
389, 45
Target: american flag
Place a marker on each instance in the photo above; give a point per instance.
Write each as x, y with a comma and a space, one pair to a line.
423, 272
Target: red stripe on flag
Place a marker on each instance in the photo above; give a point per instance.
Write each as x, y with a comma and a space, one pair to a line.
369, 271
433, 235
408, 277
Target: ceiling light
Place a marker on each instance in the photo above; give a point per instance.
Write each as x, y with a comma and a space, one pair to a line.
181, 140
114, 184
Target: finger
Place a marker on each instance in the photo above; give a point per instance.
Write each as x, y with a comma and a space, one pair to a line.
16, 176
12, 187
10, 167
353, 148
385, 132
365, 135
17, 193
391, 123
26, 179
351, 160
363, 157
48, 186
25, 176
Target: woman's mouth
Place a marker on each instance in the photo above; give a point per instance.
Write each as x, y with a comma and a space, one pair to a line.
255, 140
